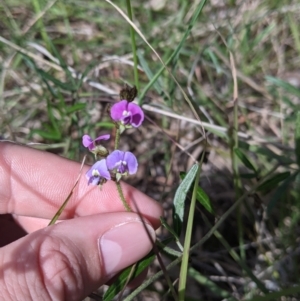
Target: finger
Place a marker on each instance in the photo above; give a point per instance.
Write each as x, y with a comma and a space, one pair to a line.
31, 224
35, 183
69, 260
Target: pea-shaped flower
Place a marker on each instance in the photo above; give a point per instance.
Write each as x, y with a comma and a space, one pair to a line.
88, 142
98, 173
127, 114
122, 163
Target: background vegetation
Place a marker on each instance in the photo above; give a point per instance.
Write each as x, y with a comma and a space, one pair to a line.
63, 62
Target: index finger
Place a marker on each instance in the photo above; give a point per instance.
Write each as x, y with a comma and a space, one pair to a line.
35, 183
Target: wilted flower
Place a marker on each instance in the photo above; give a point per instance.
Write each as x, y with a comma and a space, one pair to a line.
88, 142
127, 114
122, 163
98, 173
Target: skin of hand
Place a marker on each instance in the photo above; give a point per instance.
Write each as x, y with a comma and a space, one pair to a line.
94, 239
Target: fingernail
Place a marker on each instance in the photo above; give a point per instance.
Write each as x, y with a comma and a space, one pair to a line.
125, 244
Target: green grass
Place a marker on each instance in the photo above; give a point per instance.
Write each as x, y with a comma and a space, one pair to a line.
252, 182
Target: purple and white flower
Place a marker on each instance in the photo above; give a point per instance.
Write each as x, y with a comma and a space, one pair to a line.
88, 142
126, 113
98, 173
122, 163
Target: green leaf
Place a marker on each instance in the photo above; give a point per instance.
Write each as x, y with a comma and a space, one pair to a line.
64, 65
276, 295
55, 81
279, 192
52, 135
201, 197
208, 284
244, 159
284, 160
119, 283
76, 107
284, 85
157, 85
273, 182
180, 197
204, 200
105, 125
297, 139
167, 226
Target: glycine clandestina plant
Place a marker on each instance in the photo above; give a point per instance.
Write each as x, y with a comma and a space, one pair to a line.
117, 164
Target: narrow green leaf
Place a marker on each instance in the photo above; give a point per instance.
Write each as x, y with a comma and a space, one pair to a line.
54, 122
76, 107
209, 284
180, 197
244, 159
276, 295
278, 193
47, 135
105, 125
145, 66
262, 34
214, 60
162, 247
294, 106
204, 200
64, 65
167, 226
284, 160
297, 138
284, 85
273, 182
55, 81
119, 283
201, 197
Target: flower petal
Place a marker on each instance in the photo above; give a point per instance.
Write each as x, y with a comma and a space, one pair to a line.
137, 120
102, 167
87, 141
97, 171
114, 158
103, 137
132, 163
116, 111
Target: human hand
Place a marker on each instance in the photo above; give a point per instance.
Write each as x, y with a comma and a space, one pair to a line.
95, 240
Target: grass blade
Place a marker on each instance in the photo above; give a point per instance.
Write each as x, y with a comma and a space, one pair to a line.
273, 182
119, 283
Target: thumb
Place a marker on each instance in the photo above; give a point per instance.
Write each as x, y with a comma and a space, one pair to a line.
69, 260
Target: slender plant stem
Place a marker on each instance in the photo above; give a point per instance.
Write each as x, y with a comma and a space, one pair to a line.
117, 138
119, 188
187, 241
133, 45
122, 197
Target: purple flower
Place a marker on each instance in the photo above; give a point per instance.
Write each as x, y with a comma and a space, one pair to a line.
98, 173
88, 142
127, 113
122, 162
